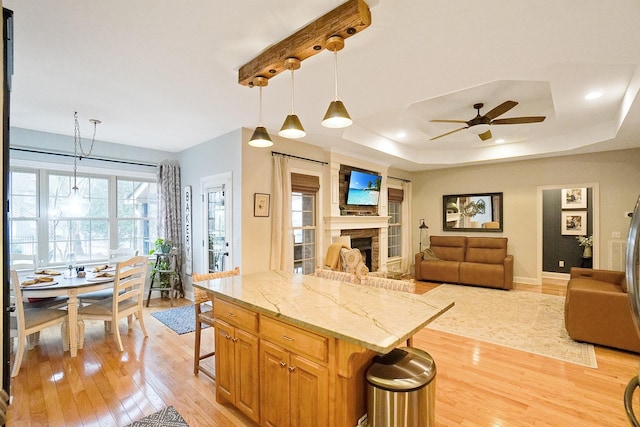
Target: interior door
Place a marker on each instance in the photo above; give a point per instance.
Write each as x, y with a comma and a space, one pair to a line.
217, 214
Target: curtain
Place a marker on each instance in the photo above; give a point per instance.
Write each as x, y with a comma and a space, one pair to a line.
407, 253
170, 209
281, 257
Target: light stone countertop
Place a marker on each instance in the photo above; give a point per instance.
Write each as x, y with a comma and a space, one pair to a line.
373, 318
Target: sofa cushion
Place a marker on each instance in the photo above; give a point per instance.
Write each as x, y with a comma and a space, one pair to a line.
337, 275
440, 271
486, 250
449, 248
491, 275
391, 284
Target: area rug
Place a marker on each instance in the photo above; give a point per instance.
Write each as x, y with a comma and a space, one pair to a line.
167, 417
181, 320
522, 320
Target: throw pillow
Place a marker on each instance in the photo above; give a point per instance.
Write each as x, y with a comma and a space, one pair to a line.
429, 255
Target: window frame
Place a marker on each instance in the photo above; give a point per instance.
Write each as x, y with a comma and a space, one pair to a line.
42, 219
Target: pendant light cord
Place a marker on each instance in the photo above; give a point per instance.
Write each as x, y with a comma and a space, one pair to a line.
77, 142
335, 71
292, 91
260, 114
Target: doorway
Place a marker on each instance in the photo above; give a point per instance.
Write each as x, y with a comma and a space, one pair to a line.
217, 214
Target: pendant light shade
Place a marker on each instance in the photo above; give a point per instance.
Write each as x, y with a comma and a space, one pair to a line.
260, 137
336, 115
292, 127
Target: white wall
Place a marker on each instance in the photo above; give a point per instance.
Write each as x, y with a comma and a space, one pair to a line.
256, 177
213, 157
617, 173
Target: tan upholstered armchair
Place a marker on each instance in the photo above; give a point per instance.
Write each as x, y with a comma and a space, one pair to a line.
597, 309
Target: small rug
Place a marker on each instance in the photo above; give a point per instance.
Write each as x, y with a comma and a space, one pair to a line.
181, 320
167, 417
521, 320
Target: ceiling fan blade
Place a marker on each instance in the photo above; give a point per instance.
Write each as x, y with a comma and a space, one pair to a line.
485, 136
518, 120
500, 109
447, 121
448, 133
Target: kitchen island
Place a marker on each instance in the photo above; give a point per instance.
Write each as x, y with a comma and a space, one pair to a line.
293, 349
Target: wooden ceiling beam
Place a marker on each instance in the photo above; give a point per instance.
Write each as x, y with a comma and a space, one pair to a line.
345, 20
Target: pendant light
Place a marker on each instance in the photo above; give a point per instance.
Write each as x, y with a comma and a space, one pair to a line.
292, 128
260, 137
76, 205
336, 115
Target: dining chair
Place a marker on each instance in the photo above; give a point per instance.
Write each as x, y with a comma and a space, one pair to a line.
115, 256
22, 261
125, 301
29, 320
206, 317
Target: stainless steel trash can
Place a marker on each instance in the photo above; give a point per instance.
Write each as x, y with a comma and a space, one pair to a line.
401, 389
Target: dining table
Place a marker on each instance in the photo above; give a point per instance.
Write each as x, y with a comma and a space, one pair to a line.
66, 284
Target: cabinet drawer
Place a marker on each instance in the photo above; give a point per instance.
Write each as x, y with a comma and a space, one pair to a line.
235, 315
294, 339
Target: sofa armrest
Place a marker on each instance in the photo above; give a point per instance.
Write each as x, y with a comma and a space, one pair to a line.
416, 270
609, 276
508, 272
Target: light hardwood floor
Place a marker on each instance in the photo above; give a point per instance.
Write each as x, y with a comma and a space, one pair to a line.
477, 384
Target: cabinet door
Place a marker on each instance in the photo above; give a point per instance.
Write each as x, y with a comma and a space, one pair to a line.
247, 374
274, 385
225, 369
309, 393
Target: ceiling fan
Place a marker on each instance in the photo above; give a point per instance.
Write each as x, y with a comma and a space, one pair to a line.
480, 124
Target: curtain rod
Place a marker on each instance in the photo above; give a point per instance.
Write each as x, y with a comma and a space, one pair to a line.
274, 153
400, 179
102, 159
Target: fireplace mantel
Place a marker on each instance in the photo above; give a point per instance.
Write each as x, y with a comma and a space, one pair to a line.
346, 222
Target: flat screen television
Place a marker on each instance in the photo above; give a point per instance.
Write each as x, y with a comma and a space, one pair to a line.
364, 189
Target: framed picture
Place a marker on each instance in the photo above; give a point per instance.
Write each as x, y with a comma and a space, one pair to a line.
261, 204
574, 198
574, 223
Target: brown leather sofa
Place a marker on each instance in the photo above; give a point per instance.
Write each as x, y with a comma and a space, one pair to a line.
480, 261
597, 309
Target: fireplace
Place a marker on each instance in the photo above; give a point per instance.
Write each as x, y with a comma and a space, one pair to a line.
368, 241
364, 244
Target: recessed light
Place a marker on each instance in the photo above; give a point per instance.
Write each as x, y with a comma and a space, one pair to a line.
401, 134
500, 141
593, 95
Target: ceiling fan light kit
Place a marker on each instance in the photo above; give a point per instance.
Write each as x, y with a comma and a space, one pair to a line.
327, 32
481, 124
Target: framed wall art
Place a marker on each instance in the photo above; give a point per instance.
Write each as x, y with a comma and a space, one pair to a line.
574, 198
574, 223
261, 204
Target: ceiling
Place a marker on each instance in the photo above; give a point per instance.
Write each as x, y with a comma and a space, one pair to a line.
164, 77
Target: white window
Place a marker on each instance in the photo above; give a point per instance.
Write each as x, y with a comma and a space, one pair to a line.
395, 229
50, 220
303, 214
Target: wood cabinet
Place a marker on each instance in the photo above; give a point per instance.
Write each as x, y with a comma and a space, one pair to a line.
295, 390
281, 375
237, 359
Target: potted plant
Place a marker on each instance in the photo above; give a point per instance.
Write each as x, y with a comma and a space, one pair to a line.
161, 246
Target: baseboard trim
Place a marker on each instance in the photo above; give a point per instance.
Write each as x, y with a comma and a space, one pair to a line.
526, 280
555, 278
